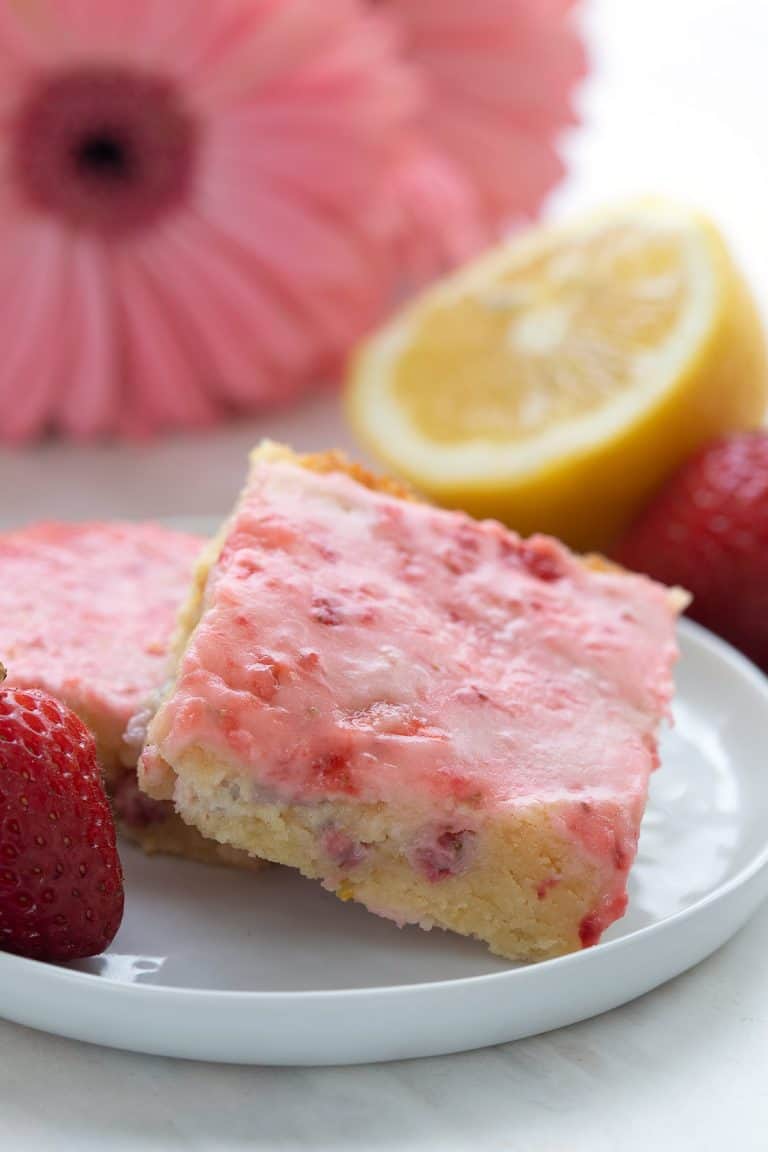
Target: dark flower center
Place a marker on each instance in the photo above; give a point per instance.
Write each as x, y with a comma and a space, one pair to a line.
105, 157
106, 150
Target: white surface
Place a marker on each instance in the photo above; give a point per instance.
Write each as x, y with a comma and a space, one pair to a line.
678, 105
272, 970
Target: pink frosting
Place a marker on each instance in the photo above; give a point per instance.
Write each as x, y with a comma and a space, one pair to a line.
87, 611
357, 645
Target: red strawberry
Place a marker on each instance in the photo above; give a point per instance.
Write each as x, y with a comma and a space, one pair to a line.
61, 885
708, 531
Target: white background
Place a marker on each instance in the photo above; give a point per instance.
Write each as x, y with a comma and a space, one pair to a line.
677, 104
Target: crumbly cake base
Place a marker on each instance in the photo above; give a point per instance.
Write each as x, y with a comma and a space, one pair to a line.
524, 895
168, 836
172, 837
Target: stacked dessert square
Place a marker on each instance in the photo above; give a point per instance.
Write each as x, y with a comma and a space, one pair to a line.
87, 612
446, 723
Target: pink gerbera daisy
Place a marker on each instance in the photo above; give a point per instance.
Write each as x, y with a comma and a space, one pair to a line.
497, 79
185, 191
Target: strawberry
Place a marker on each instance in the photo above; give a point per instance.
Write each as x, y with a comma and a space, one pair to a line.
61, 884
707, 530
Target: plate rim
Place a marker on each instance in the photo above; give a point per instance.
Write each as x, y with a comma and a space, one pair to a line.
15, 967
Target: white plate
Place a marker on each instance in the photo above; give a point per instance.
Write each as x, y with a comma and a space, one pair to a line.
218, 965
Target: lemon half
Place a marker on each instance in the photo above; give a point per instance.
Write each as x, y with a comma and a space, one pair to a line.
558, 380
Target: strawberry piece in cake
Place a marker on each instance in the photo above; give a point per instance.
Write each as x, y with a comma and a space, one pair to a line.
440, 720
87, 612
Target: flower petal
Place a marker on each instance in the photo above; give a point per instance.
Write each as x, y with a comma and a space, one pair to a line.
163, 387
525, 167
145, 31
17, 43
317, 260
478, 77
256, 45
442, 223
498, 80
300, 149
249, 344
90, 399
31, 303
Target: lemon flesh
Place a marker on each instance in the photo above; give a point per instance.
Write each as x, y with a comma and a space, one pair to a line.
557, 381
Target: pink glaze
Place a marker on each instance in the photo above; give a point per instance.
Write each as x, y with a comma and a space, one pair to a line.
355, 645
87, 612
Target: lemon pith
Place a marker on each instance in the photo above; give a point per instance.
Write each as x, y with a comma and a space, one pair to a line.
557, 381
